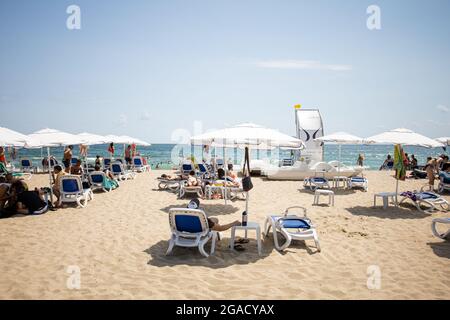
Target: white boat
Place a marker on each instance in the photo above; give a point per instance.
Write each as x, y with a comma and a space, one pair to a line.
301, 170
309, 127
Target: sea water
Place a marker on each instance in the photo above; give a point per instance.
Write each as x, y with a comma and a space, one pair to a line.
166, 156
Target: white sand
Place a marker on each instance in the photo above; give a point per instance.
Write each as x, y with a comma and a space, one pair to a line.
119, 243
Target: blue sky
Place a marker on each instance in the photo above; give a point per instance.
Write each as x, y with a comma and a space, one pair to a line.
146, 68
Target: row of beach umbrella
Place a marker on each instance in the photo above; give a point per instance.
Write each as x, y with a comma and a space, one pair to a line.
55, 138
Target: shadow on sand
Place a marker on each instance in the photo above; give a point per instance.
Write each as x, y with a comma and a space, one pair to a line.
223, 257
441, 249
390, 213
210, 209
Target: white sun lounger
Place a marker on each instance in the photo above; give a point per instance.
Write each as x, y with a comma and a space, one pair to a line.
190, 229
445, 235
71, 190
292, 227
118, 171
431, 199
358, 182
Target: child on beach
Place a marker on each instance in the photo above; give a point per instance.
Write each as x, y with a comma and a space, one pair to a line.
58, 171
430, 168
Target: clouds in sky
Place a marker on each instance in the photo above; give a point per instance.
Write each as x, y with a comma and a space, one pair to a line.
442, 108
302, 65
145, 116
123, 120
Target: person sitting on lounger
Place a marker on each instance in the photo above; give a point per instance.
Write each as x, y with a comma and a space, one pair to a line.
213, 223
77, 169
413, 162
229, 182
111, 182
231, 174
98, 161
192, 180
4, 192
388, 163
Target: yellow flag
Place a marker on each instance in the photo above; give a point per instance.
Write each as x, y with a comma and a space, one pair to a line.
297, 106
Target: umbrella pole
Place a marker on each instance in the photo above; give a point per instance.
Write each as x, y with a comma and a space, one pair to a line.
396, 193
49, 174
226, 170
339, 166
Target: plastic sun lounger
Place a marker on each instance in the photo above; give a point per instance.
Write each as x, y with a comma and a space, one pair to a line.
292, 227
170, 185
445, 235
190, 229
138, 165
118, 171
316, 182
16, 174
27, 166
186, 168
444, 182
185, 189
71, 190
358, 182
429, 198
96, 179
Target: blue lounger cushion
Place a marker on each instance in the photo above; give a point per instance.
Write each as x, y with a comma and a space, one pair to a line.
189, 224
358, 179
318, 180
293, 223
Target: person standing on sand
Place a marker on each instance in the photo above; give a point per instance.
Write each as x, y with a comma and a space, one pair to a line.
430, 168
111, 149
2, 156
67, 159
360, 161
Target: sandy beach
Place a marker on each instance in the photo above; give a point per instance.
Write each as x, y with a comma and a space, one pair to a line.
119, 241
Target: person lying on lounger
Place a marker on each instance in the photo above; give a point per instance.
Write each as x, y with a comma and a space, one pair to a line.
173, 177
229, 182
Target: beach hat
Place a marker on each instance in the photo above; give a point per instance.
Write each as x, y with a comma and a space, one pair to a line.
194, 204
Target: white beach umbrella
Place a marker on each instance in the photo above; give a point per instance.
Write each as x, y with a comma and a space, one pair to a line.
247, 135
90, 139
444, 140
52, 137
403, 137
341, 138
13, 138
131, 140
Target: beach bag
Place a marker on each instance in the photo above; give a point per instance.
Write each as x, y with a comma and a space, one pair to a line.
247, 184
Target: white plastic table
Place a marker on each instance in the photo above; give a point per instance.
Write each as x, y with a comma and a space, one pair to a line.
250, 226
385, 196
337, 181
